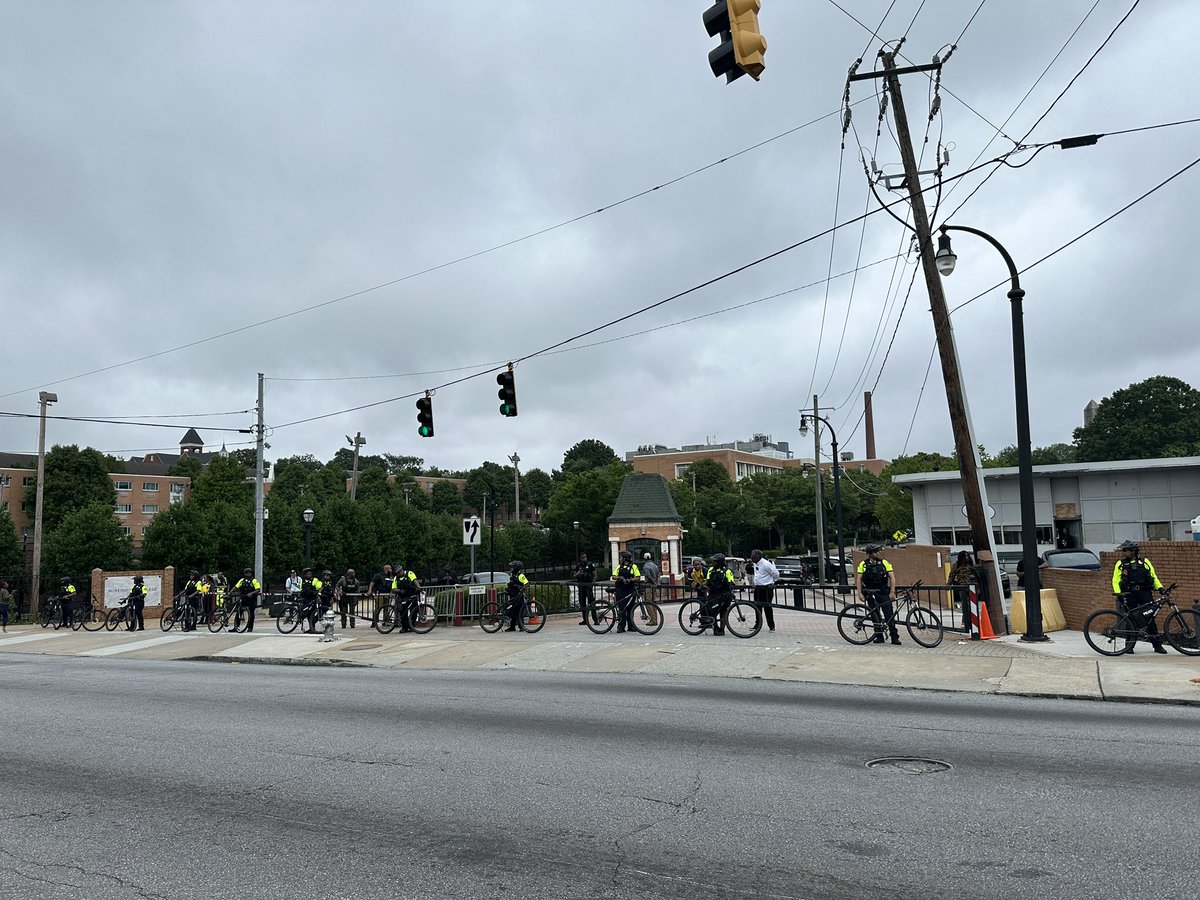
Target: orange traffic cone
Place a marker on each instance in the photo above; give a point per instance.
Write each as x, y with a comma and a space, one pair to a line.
985, 623
534, 618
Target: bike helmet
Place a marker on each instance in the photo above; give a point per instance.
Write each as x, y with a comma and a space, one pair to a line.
718, 559
326, 574
247, 571
516, 565
625, 554
64, 581
307, 570
872, 548
1129, 545
137, 579
193, 574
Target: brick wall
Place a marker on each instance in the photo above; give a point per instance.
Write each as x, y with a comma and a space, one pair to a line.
1082, 592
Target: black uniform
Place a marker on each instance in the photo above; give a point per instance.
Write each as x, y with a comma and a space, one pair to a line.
248, 590
585, 575
720, 594
137, 605
874, 574
349, 590
626, 589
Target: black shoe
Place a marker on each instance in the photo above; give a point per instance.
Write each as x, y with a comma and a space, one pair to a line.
1159, 648
720, 633
511, 628
621, 629
896, 639
878, 639
584, 622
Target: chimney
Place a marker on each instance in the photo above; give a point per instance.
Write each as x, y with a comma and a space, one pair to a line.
1089, 412
869, 419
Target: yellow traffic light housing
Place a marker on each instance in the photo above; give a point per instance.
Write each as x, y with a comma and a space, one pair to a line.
742, 47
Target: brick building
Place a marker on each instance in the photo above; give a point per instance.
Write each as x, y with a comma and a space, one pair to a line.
739, 458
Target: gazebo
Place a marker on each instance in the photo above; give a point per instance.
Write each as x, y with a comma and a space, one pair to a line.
645, 520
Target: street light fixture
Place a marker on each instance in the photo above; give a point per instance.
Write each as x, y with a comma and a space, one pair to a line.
308, 515
575, 525
822, 565
945, 261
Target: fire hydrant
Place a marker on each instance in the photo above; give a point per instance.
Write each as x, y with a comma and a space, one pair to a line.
327, 621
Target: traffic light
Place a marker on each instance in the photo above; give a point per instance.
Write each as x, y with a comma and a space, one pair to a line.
507, 393
425, 416
742, 45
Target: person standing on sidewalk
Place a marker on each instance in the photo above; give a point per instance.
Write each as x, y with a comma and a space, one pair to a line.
1134, 582
381, 587
875, 582
625, 577
293, 584
962, 576
347, 596
585, 577
248, 589
5, 599
765, 576
651, 576
137, 604
719, 582
66, 597
517, 582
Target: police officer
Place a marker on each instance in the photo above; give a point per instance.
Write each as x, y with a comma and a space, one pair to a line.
310, 599
191, 601
719, 583
407, 591
248, 590
875, 582
1134, 582
347, 594
66, 599
137, 604
585, 576
326, 592
517, 582
626, 577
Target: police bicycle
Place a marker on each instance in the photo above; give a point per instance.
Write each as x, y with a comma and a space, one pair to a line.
181, 612
122, 615
924, 625
1113, 632
531, 614
86, 614
646, 616
419, 615
742, 617
227, 614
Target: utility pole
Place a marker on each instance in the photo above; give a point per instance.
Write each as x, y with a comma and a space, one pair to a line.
44, 399
974, 493
820, 496
516, 461
258, 487
356, 442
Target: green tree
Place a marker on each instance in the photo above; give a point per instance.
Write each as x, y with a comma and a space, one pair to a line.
587, 497
223, 480
75, 478
373, 484
306, 477
1054, 454
12, 556
484, 477
893, 508
88, 538
446, 500
186, 467
788, 503
585, 456
1158, 417
535, 489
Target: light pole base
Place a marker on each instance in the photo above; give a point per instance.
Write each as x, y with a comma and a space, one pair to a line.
1035, 639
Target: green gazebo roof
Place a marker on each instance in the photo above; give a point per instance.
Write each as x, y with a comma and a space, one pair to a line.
644, 498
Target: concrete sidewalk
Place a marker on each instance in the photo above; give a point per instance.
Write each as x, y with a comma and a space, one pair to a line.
803, 648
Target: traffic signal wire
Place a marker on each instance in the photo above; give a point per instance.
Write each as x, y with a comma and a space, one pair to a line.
630, 315
434, 268
99, 421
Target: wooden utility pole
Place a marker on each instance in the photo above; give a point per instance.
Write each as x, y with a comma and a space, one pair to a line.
974, 493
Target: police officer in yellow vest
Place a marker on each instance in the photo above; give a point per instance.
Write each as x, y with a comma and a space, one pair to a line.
310, 602
66, 597
625, 578
517, 582
248, 589
875, 582
407, 591
1134, 582
137, 603
719, 583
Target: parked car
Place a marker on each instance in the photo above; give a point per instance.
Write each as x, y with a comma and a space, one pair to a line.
1076, 558
793, 568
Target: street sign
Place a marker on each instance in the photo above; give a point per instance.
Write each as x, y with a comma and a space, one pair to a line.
472, 533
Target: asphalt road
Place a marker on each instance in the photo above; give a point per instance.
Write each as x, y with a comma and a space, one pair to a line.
128, 778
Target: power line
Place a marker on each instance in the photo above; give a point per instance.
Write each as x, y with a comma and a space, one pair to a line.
958, 40
430, 269
24, 415
233, 412
174, 449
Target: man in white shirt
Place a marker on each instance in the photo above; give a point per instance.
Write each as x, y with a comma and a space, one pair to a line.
293, 585
765, 576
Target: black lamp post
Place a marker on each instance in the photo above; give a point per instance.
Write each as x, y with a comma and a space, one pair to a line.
945, 261
575, 525
712, 543
308, 516
837, 495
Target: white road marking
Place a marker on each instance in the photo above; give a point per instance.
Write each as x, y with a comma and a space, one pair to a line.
136, 645
26, 638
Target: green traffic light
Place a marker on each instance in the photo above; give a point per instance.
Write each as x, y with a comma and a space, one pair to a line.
505, 409
424, 431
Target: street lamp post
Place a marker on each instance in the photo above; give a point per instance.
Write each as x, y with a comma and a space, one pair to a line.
837, 494
712, 543
308, 515
945, 261
575, 525
44, 399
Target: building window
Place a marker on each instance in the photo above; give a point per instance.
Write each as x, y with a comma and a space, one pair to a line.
1045, 534
28, 481
1158, 531
942, 536
4, 504
149, 509
150, 487
143, 531
681, 469
123, 485
962, 536
123, 508
127, 530
26, 506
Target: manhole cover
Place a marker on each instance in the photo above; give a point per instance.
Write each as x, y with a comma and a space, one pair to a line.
363, 647
910, 765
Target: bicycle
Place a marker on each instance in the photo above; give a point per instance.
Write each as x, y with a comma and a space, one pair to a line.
227, 610
742, 617
646, 616
181, 612
122, 615
1112, 632
531, 615
89, 617
50, 613
419, 615
924, 626
293, 612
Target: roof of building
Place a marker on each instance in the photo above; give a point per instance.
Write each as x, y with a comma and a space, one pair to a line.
1117, 465
191, 439
645, 498
136, 466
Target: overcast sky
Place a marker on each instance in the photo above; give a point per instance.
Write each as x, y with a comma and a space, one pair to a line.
176, 170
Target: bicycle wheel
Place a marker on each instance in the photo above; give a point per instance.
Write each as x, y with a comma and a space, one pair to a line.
690, 619
646, 616
114, 618
1182, 629
46, 615
532, 616
600, 618
92, 619
219, 620
491, 617
743, 619
855, 625
422, 618
235, 620
924, 626
385, 619
167, 621
288, 619
1107, 630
